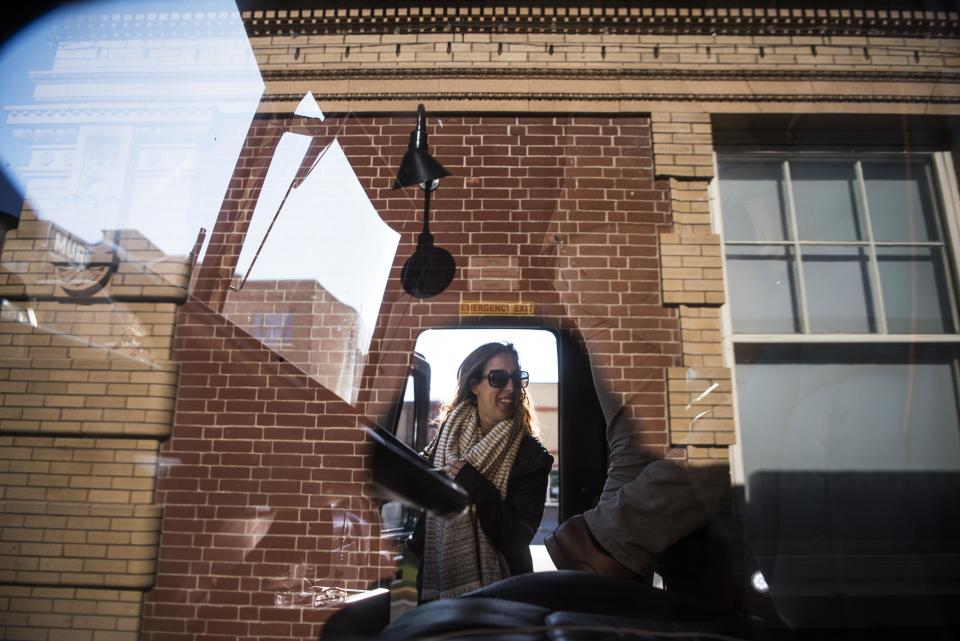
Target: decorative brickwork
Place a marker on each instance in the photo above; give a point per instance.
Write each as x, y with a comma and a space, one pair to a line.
690, 202
692, 269
701, 411
573, 72
656, 17
682, 144
701, 335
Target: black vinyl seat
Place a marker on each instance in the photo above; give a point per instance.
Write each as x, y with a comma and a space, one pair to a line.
564, 605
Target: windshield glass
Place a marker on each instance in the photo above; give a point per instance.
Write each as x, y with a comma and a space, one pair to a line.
343, 319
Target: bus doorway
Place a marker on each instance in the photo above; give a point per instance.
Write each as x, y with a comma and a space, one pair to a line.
445, 349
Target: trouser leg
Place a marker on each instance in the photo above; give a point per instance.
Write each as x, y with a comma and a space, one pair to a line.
646, 504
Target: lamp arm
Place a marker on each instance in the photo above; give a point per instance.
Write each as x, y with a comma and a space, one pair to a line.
426, 211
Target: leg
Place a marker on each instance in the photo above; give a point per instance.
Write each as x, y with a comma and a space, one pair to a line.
646, 505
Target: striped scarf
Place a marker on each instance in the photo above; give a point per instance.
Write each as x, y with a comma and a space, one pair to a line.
458, 556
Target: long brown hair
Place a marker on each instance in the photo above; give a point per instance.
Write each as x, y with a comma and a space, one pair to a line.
471, 371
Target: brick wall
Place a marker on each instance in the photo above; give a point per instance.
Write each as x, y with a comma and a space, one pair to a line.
771, 60
304, 324
603, 50
266, 472
87, 387
264, 464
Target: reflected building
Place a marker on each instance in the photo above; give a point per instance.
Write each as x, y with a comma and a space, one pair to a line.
305, 325
742, 221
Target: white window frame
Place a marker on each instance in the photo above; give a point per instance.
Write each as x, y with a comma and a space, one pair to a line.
948, 204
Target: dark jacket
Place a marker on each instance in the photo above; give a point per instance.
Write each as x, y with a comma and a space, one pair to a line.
509, 523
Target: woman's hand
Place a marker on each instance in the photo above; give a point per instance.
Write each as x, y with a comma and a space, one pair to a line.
452, 469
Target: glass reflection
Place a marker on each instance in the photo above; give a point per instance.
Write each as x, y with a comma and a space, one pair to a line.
826, 200
843, 408
299, 287
916, 294
762, 289
840, 295
900, 199
135, 132
753, 200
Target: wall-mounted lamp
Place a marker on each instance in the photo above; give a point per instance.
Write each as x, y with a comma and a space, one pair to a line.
430, 269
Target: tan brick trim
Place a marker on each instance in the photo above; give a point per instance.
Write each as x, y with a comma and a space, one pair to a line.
682, 144
89, 398
701, 410
690, 204
701, 336
691, 269
76, 613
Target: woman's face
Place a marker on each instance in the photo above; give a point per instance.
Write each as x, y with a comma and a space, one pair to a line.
496, 404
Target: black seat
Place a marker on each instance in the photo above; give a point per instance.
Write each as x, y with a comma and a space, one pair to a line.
572, 591
466, 615
563, 605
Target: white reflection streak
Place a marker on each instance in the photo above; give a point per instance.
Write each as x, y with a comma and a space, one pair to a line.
257, 528
692, 375
331, 201
699, 416
308, 108
277, 184
703, 395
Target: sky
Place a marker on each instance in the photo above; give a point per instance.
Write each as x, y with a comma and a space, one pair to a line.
322, 228
445, 349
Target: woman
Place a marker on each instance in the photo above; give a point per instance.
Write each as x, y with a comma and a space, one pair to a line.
486, 444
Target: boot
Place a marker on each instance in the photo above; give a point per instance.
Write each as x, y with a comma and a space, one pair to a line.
572, 548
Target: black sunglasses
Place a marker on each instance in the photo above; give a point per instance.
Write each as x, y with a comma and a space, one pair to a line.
499, 378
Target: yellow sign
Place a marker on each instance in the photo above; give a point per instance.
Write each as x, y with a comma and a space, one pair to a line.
496, 309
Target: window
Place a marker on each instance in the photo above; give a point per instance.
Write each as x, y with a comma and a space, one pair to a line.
842, 301
274, 329
836, 245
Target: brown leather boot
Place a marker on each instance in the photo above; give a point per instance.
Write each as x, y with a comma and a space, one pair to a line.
571, 548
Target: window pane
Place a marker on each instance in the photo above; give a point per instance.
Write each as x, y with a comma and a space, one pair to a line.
762, 289
838, 289
915, 290
842, 408
752, 197
901, 206
826, 201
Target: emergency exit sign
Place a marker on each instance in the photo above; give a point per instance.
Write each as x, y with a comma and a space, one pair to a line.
496, 309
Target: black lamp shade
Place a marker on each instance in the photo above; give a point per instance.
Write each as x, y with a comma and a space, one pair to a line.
418, 166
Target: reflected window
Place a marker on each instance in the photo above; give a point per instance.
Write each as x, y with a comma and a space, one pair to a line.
848, 407
846, 368
274, 330
107, 128
844, 326
836, 245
